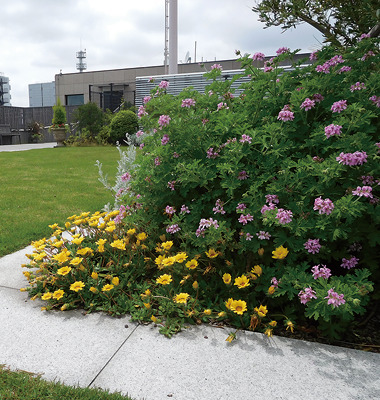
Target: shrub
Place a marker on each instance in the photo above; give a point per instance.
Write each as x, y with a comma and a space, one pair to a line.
249, 208
89, 117
123, 124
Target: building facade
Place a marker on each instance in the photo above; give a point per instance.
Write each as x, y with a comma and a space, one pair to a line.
5, 91
42, 94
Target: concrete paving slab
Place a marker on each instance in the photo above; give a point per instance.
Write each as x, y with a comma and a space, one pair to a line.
200, 364
64, 346
30, 146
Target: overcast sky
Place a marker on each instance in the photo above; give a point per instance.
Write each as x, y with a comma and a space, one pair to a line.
38, 38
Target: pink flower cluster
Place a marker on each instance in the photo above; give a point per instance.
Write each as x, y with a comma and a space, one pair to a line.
375, 100
147, 99
313, 56
357, 158
139, 133
244, 219
345, 68
284, 216
262, 235
312, 246
126, 177
222, 105
333, 130
307, 104
170, 210
121, 215
163, 85
325, 68
358, 86
349, 262
334, 298
163, 121
242, 175
157, 161
323, 206
367, 179
271, 198
171, 185
205, 224
364, 36
367, 55
211, 153
317, 97
306, 295
188, 103
258, 56
339, 106
173, 228
141, 112
165, 139
241, 207
322, 272
218, 209
216, 66
364, 191
245, 139
285, 114
282, 50
248, 236
184, 210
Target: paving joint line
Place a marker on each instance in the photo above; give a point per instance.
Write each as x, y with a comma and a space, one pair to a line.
118, 349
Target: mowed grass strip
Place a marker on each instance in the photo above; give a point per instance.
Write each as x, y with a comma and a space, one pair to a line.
23, 385
43, 186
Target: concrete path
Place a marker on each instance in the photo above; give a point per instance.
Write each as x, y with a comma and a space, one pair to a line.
116, 354
23, 147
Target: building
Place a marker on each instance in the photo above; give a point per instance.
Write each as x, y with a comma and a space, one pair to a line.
107, 88
5, 91
42, 94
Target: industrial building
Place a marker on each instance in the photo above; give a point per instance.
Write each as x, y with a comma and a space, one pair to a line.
42, 94
5, 90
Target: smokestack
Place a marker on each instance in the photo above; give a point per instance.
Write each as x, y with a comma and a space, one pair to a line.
173, 37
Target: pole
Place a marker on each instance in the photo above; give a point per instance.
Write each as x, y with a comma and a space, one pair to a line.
173, 37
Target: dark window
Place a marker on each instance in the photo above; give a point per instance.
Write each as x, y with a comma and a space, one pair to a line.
74, 99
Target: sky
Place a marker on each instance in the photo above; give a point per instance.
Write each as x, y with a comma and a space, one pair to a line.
40, 38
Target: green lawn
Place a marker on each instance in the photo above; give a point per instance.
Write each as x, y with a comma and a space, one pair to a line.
24, 386
43, 186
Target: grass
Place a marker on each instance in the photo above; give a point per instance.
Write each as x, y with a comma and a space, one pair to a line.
44, 186
24, 385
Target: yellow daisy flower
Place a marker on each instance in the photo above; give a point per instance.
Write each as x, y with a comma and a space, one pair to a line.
181, 298
164, 279
142, 236
93, 289
78, 240
261, 311
76, 261
85, 251
64, 271
167, 245
239, 307
242, 282
228, 303
107, 288
94, 275
118, 244
192, 264
212, 253
47, 296
58, 294
115, 281
181, 257
195, 285
159, 261
39, 256
168, 261
227, 278
280, 253
62, 257
257, 270
131, 232
207, 311
77, 286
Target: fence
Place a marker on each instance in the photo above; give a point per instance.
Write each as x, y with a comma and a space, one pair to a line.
21, 117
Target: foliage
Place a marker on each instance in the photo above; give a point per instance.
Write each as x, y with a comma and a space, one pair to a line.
123, 124
35, 128
339, 22
59, 115
89, 117
264, 196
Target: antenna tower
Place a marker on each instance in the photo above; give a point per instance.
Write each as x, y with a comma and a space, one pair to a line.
81, 55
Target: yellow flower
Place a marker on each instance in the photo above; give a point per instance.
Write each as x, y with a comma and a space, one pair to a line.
260, 252
93, 290
101, 242
181, 257
228, 303
141, 236
207, 311
76, 261
115, 281
54, 226
159, 261
195, 285
271, 289
94, 275
58, 294
110, 229
78, 240
64, 307
242, 282
221, 314
167, 245
77, 286
273, 323
147, 305
58, 244
64, 271
239, 306
257, 270
118, 244
181, 298
164, 279
280, 253
231, 337
154, 319
67, 225
85, 251
261, 311
38, 243
212, 253
268, 332
227, 279
192, 264
131, 232
289, 325
107, 288
168, 261
47, 296
39, 257
62, 257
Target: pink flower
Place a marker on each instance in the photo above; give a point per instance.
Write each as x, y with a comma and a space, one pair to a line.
339, 106
165, 139
334, 298
204, 224
364, 36
366, 55
248, 236
121, 215
262, 235
313, 56
222, 105
175, 155
266, 208
352, 159
188, 103
349, 263
365, 191
358, 86
126, 177
271, 198
244, 219
333, 130
323, 206
141, 112
282, 50
211, 154
241, 206
306, 295
317, 97
163, 121
285, 115
307, 104
139, 133
173, 228
344, 69
157, 161
275, 282
312, 246
170, 210
258, 56
242, 175
163, 85
216, 66
375, 100
171, 185
184, 210
284, 216
367, 179
218, 207
147, 99
322, 272
245, 139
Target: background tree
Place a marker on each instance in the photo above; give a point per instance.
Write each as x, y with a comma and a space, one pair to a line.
341, 22
89, 116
